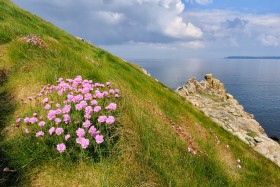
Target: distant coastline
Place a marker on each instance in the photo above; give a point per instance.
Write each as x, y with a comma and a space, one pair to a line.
252, 57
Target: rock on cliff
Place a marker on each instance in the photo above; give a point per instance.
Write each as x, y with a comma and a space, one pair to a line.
210, 97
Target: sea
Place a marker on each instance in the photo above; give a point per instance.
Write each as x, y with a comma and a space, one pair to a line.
255, 83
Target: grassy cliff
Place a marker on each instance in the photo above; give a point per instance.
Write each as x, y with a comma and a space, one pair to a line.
148, 152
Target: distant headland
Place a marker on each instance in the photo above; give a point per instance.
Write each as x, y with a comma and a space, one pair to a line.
253, 57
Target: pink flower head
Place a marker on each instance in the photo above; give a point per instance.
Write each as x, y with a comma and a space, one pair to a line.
93, 102
117, 91
84, 143
61, 147
51, 130
117, 96
87, 124
40, 133
47, 106
26, 131
98, 94
51, 114
99, 139
33, 120
57, 120
92, 130
88, 109
35, 114
111, 106
110, 120
96, 109
45, 100
80, 132
79, 107
59, 131
112, 92
26, 120
83, 103
66, 109
41, 123
66, 118
102, 119
17, 120
67, 137
108, 84
57, 105
88, 96
58, 111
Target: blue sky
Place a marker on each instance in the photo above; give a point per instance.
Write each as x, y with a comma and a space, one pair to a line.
168, 28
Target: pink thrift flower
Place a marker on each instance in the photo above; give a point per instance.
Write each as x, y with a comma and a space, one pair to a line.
88, 109
51, 130
92, 131
84, 143
58, 111
47, 106
83, 103
79, 107
61, 147
66, 118
35, 114
79, 140
26, 131
40, 133
33, 120
17, 120
45, 100
41, 123
110, 120
80, 132
117, 91
117, 96
87, 124
97, 109
26, 120
57, 105
111, 106
57, 120
102, 119
59, 131
88, 96
66, 109
51, 114
108, 84
112, 92
93, 102
67, 137
99, 139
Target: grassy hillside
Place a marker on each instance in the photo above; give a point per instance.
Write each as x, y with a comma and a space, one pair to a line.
148, 151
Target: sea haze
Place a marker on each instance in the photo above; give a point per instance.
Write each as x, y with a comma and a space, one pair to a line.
254, 83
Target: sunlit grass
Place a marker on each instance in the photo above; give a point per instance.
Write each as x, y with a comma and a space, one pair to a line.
149, 153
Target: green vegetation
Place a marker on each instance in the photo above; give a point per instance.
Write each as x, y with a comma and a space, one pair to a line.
148, 153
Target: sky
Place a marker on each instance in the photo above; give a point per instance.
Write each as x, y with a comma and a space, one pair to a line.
147, 29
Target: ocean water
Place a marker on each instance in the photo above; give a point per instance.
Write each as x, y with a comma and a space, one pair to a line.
254, 83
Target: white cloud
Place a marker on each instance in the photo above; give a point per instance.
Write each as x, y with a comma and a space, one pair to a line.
269, 40
201, 2
193, 44
178, 29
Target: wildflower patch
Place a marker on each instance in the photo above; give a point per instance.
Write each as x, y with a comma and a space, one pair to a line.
75, 114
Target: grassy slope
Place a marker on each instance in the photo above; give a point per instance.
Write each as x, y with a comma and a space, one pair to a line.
150, 153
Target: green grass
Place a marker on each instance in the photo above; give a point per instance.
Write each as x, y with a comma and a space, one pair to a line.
149, 153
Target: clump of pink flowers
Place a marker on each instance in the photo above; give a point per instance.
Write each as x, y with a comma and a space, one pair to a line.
75, 112
34, 40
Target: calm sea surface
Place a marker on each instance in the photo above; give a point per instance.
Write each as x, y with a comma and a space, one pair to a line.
254, 83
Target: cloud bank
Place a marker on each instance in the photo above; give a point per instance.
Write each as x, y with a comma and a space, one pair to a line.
118, 21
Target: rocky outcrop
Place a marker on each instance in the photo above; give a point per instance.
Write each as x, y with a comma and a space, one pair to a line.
210, 97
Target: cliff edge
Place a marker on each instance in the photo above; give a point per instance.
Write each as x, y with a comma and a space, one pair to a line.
210, 97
